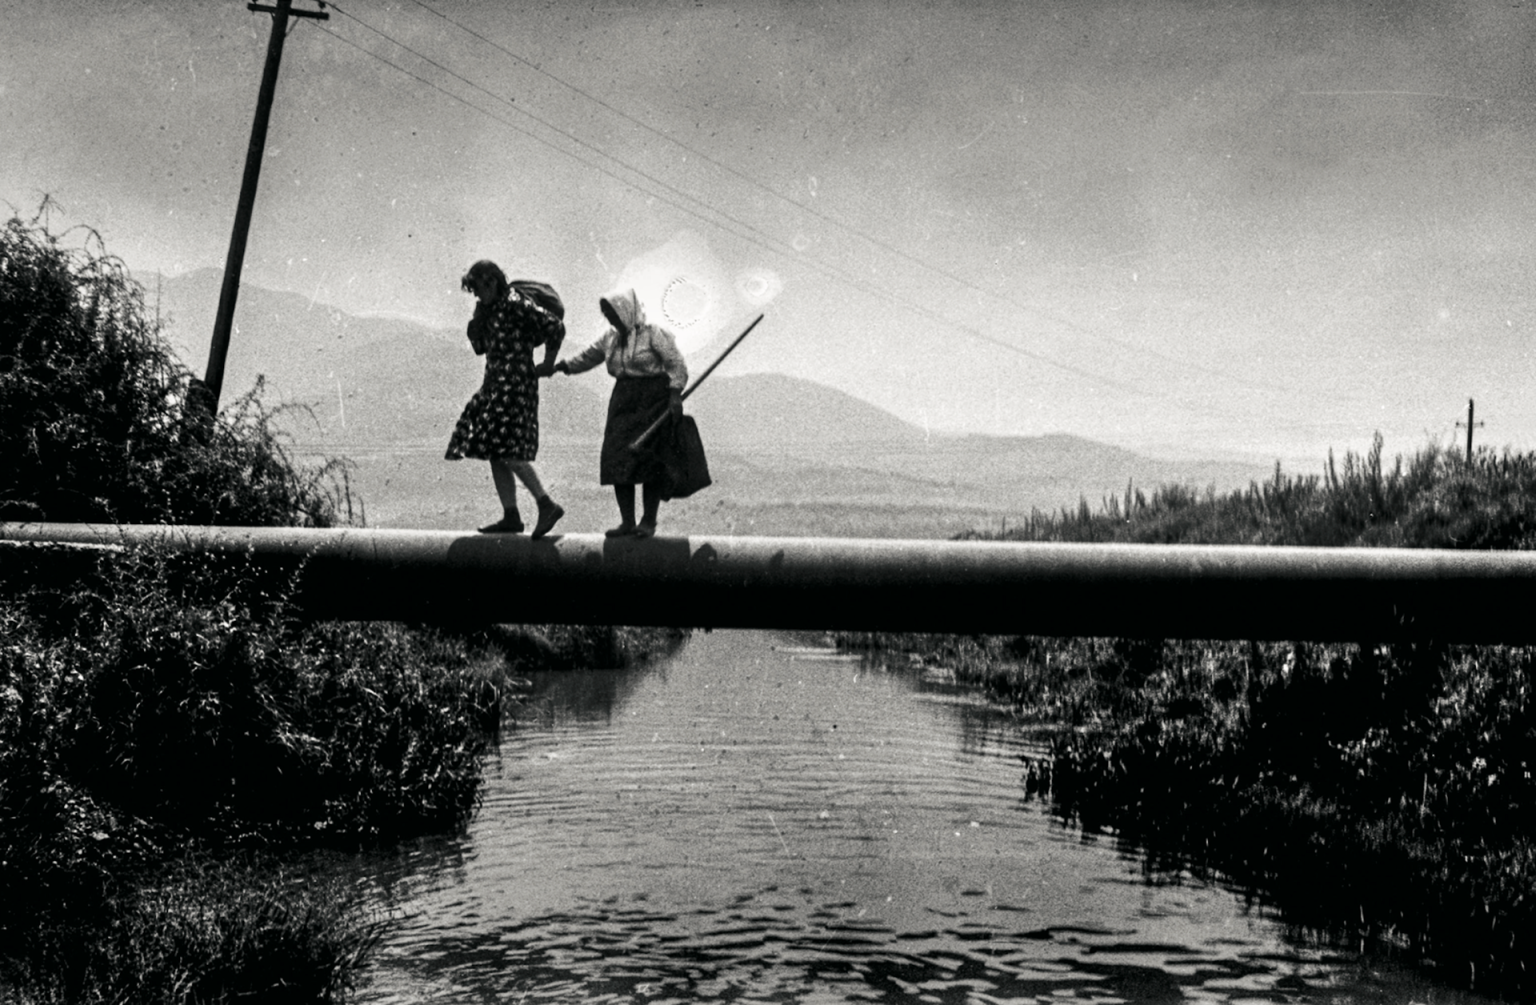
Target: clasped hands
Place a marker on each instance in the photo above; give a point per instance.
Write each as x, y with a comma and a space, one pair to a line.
549, 368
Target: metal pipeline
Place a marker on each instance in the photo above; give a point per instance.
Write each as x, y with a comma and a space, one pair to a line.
1134, 591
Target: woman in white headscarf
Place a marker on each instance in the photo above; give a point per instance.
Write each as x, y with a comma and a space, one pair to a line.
649, 377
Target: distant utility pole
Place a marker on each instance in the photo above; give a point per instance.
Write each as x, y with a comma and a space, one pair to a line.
212, 384
1470, 425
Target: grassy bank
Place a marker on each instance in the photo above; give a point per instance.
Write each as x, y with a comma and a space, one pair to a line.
160, 751
1371, 792
168, 732
1431, 499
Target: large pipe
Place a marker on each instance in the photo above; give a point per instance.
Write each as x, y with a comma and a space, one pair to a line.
1144, 591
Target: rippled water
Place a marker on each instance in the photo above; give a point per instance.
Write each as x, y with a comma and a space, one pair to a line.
759, 820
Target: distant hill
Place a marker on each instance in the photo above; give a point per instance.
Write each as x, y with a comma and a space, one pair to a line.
794, 423
387, 390
369, 381
773, 414
286, 326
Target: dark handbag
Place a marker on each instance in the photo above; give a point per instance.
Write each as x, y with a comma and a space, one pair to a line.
681, 452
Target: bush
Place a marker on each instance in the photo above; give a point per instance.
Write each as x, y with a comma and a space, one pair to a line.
173, 706
199, 931
207, 711
92, 403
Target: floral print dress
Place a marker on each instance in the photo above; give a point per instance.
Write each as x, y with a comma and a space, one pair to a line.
501, 421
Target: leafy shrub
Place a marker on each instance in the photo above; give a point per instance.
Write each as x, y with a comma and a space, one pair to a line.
205, 710
173, 706
201, 931
92, 403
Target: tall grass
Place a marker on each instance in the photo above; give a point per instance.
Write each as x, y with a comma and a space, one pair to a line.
1433, 499
172, 711
92, 401
1376, 792
200, 930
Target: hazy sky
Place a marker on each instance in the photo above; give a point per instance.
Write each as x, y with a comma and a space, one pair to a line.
1270, 228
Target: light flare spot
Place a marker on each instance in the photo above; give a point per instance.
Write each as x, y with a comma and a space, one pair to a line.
684, 302
757, 287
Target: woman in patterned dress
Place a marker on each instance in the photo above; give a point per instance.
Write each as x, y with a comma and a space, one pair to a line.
501, 422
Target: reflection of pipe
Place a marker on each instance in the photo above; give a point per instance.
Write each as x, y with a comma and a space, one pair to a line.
1131, 591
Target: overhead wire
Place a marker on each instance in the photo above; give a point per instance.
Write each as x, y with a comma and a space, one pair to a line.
827, 218
774, 244
770, 242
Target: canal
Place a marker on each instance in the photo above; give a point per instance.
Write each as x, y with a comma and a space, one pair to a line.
757, 818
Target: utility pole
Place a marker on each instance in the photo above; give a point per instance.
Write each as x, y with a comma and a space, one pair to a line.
1470, 426
205, 393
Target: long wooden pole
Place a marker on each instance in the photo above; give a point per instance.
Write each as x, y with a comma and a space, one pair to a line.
639, 441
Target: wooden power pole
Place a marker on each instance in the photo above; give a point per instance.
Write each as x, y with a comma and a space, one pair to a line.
1470, 426
212, 383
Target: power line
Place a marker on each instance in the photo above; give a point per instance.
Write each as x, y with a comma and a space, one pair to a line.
773, 243
553, 128
887, 246
764, 239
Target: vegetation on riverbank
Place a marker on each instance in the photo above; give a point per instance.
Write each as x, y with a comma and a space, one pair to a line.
152, 735
168, 729
1433, 499
93, 402
1369, 791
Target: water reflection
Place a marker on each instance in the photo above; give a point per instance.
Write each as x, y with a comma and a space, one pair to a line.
580, 698
753, 821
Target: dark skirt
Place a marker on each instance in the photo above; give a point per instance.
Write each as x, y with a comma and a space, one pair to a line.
636, 402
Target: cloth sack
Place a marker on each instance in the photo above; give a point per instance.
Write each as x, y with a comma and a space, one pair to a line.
542, 294
682, 455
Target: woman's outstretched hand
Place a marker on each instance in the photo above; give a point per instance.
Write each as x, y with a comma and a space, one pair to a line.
545, 369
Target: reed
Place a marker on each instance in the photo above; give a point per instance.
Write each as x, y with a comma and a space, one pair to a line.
1432, 499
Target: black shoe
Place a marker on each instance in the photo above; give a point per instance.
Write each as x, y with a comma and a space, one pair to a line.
511, 523
549, 512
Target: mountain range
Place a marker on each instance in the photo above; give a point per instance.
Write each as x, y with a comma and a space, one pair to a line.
788, 455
